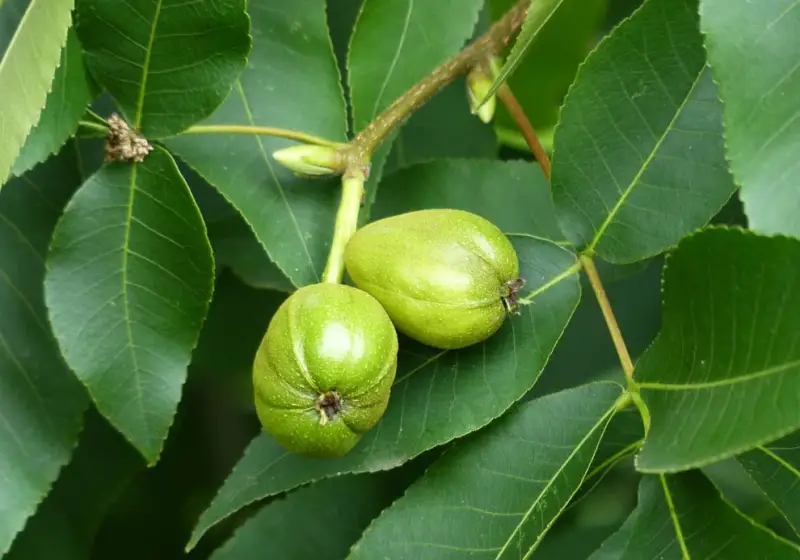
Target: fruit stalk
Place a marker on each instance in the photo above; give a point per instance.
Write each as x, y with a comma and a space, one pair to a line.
346, 223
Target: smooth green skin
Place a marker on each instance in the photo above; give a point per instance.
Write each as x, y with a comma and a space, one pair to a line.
440, 274
324, 337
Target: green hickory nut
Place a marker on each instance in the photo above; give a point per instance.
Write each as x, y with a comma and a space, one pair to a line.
447, 278
324, 370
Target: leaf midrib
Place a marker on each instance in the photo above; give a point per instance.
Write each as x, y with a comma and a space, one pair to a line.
722, 382
393, 64
278, 185
645, 165
674, 517
146, 67
125, 301
603, 419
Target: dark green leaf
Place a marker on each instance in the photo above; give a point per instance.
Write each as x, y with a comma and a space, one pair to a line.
32, 34
167, 63
237, 321
71, 91
752, 48
537, 16
41, 403
775, 468
724, 373
621, 440
442, 128
130, 275
291, 82
320, 521
496, 494
437, 396
67, 521
235, 245
683, 516
397, 43
514, 195
542, 78
639, 157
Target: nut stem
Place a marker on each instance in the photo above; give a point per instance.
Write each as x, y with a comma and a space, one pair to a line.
346, 223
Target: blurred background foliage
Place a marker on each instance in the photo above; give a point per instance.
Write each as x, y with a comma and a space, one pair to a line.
136, 513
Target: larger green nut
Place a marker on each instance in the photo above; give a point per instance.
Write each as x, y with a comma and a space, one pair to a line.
447, 278
324, 370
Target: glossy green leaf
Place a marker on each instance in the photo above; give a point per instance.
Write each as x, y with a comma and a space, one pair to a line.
320, 521
398, 42
32, 34
496, 494
683, 516
67, 521
538, 14
70, 94
639, 154
752, 49
130, 275
775, 468
437, 396
541, 80
442, 128
514, 195
724, 373
41, 403
291, 82
167, 63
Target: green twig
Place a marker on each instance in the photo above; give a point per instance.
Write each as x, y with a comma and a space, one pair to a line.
493, 41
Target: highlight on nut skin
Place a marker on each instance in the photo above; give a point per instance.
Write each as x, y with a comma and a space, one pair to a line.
324, 369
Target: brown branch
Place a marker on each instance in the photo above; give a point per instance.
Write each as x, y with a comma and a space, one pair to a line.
518, 115
608, 315
491, 42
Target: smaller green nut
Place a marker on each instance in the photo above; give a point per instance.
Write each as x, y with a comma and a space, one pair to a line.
324, 370
447, 278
